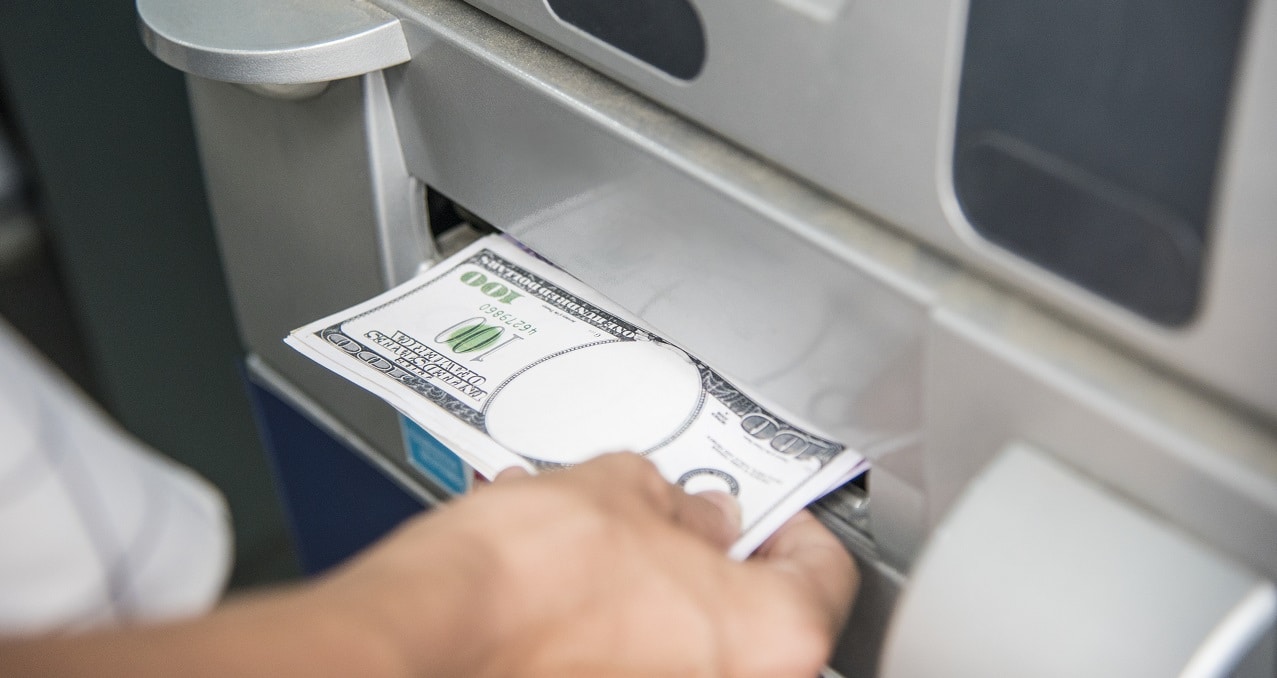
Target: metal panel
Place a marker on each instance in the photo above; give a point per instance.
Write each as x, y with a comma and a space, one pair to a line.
1017, 378
667, 223
272, 42
1040, 572
741, 264
861, 98
291, 190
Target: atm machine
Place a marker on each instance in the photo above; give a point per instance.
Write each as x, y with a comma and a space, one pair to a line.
1018, 252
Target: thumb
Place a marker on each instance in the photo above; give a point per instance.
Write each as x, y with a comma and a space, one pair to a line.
807, 553
715, 516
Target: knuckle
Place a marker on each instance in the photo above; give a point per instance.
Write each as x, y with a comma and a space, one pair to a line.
643, 476
656, 488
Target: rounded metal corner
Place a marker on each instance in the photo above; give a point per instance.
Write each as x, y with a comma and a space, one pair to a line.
272, 42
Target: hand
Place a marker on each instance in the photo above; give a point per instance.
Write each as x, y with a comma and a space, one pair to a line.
602, 570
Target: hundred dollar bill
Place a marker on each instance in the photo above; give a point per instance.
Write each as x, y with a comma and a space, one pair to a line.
509, 361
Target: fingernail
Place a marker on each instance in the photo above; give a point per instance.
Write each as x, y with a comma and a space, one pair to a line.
511, 473
727, 504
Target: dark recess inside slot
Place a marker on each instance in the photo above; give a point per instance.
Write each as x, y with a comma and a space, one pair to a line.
444, 215
850, 503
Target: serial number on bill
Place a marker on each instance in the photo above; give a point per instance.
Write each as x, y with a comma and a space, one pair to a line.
513, 321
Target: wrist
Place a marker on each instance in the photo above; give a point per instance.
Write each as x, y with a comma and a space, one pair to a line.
342, 638
426, 609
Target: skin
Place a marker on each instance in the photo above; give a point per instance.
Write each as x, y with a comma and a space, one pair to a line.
602, 570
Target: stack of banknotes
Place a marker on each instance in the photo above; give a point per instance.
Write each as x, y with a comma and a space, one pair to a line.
509, 361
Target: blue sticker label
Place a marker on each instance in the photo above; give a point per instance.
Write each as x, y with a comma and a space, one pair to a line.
433, 458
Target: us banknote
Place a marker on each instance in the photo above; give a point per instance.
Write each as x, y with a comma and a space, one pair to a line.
510, 361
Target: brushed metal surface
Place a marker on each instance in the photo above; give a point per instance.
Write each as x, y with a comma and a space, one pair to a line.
272, 42
861, 99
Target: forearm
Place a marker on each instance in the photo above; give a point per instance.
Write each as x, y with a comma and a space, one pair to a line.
355, 622
282, 634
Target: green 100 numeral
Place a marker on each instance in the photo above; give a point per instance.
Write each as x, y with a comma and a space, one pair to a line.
469, 336
491, 288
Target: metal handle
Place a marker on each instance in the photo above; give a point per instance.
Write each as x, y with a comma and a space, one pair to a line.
272, 42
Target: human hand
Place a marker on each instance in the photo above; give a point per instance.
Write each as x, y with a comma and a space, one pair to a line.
605, 569
602, 570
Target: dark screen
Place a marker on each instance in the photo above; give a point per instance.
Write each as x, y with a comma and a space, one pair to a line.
1088, 137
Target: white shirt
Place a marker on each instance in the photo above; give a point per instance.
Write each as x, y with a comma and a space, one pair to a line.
94, 527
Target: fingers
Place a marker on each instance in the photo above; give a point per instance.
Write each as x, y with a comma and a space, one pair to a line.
504, 476
631, 485
511, 473
812, 556
713, 516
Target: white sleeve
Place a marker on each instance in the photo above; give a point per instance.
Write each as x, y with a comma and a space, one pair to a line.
94, 527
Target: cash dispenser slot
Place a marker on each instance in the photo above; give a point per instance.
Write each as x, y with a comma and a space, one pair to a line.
454, 226
644, 216
634, 202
